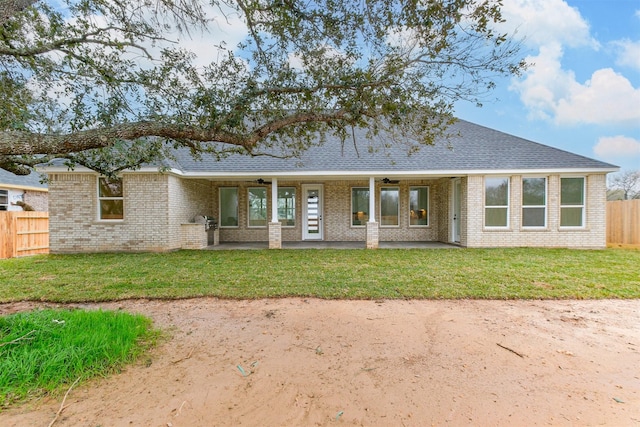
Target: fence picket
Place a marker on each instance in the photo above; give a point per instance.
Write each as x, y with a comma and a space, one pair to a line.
23, 233
623, 222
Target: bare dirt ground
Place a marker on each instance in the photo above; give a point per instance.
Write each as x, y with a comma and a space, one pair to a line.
306, 362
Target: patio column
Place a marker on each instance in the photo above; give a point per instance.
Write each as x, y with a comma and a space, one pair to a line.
372, 226
275, 228
372, 200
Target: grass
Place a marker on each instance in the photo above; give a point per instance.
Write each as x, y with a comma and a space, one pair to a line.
45, 351
347, 274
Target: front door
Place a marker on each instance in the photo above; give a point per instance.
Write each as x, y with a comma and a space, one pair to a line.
312, 212
455, 210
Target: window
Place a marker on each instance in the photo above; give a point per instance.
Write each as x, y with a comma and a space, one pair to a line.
534, 202
4, 200
418, 206
496, 202
359, 206
228, 207
287, 206
111, 199
389, 206
257, 207
571, 202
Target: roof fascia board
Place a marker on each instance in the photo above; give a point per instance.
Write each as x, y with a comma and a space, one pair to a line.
346, 174
23, 187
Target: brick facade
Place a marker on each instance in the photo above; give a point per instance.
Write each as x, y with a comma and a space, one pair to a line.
591, 235
157, 205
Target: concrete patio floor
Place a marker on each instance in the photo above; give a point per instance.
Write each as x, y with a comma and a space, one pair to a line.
331, 245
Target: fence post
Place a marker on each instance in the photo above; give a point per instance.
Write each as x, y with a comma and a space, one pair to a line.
7, 235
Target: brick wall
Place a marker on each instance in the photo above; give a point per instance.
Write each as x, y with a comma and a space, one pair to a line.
592, 235
38, 200
155, 205
337, 213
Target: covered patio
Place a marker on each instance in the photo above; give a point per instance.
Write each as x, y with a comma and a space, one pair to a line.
330, 245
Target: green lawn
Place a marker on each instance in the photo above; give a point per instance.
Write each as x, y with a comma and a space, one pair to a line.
44, 351
349, 274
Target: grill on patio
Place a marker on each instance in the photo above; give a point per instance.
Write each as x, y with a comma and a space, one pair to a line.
210, 222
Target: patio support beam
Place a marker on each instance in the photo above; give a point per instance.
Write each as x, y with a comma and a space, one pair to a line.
372, 199
274, 200
373, 231
275, 228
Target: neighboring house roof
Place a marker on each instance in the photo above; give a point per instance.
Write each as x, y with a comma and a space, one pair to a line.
22, 182
474, 150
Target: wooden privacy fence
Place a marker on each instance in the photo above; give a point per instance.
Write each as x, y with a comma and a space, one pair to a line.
623, 222
23, 233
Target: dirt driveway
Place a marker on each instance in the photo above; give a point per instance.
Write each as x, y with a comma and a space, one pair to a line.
306, 362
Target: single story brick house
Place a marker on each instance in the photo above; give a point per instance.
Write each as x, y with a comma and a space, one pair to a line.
481, 188
25, 192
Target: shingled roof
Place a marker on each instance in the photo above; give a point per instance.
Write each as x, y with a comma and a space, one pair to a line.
474, 149
31, 181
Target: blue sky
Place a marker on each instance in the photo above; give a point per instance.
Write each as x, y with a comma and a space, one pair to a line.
582, 93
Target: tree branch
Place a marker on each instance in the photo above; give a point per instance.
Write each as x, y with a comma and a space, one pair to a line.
14, 142
8, 8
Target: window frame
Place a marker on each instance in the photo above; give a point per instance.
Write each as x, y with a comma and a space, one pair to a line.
507, 207
221, 222
102, 198
6, 204
356, 214
293, 208
544, 206
415, 187
264, 209
582, 206
397, 190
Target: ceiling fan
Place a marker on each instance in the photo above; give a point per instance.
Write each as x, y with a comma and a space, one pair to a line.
389, 181
260, 181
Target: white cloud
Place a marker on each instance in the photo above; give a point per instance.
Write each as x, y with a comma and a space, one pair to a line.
544, 22
551, 92
608, 97
617, 147
628, 53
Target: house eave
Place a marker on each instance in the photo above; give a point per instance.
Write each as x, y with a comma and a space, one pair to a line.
341, 175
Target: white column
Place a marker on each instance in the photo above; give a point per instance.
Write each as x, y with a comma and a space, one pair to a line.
274, 200
372, 199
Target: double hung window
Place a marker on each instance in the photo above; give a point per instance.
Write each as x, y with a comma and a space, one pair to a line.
110, 199
496, 202
572, 202
534, 202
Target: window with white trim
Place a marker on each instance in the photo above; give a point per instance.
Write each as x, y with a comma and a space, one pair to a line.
389, 206
534, 202
257, 206
287, 206
110, 199
4, 200
496, 202
228, 197
359, 206
572, 202
418, 206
